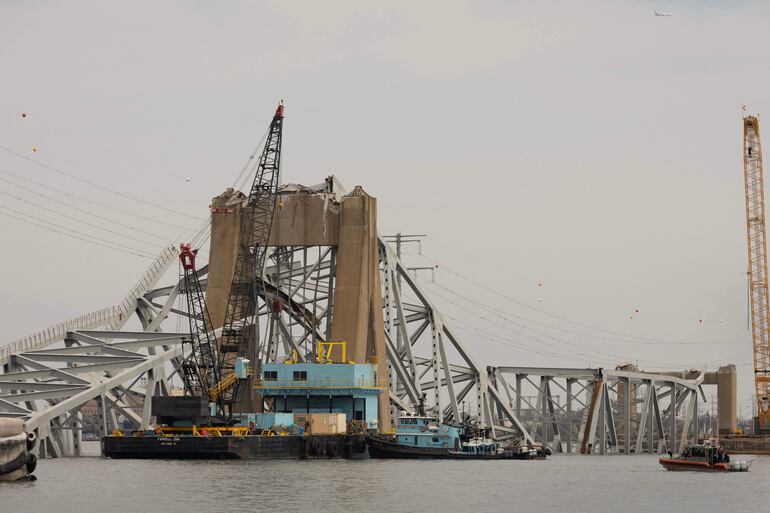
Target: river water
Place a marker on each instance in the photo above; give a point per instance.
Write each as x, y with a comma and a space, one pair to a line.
561, 484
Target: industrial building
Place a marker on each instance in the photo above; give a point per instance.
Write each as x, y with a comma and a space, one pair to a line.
348, 389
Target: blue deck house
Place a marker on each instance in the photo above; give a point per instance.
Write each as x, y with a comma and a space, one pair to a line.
349, 388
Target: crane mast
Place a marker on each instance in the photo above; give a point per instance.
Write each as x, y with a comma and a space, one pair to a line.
201, 369
240, 330
758, 291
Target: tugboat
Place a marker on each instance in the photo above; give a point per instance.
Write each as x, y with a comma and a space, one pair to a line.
417, 436
708, 457
423, 436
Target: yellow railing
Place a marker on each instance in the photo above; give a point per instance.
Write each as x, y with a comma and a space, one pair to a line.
203, 430
223, 385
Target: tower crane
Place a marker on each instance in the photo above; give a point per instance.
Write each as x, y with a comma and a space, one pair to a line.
753, 175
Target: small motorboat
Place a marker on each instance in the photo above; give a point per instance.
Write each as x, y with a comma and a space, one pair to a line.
710, 457
486, 449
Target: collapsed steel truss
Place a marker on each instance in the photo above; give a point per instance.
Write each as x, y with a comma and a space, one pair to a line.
88, 367
428, 367
602, 410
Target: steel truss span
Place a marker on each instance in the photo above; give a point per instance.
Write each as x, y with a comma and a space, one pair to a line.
602, 411
428, 365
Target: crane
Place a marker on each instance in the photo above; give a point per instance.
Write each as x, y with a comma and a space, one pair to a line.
753, 175
201, 369
240, 331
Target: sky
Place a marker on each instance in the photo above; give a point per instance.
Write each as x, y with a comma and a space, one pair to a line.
580, 158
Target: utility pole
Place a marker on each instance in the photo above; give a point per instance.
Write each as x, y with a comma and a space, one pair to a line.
431, 268
399, 238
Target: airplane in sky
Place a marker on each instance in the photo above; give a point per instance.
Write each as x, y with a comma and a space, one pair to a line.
663, 13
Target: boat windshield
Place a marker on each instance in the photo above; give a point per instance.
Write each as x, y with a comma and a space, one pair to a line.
694, 452
480, 447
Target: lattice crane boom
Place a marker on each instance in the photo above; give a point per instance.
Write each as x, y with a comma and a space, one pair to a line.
240, 329
201, 368
758, 286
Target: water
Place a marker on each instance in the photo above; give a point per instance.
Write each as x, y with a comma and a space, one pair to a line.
561, 484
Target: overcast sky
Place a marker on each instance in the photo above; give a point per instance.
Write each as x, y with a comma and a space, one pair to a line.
583, 158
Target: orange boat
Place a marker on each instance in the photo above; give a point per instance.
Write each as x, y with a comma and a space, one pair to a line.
704, 458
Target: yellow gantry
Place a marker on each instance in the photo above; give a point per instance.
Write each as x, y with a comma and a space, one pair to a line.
325, 351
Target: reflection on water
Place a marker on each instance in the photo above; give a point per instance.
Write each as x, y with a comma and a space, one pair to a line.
563, 483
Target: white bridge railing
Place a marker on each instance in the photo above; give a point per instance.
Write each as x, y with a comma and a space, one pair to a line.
113, 317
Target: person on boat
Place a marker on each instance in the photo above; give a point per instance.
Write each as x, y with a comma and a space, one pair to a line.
723, 456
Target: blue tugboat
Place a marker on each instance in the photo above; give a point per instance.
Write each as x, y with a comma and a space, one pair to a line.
423, 436
417, 436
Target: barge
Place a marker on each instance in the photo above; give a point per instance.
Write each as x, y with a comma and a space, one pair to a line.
242, 447
309, 410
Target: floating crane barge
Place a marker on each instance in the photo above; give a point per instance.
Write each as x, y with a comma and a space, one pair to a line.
292, 409
321, 410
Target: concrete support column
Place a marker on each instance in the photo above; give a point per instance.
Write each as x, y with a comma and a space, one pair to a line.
225, 234
357, 311
726, 399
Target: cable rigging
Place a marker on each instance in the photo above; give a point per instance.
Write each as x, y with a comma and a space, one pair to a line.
93, 202
549, 314
107, 245
66, 216
572, 347
96, 185
503, 313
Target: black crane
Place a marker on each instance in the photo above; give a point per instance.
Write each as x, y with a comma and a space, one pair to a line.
240, 331
201, 369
